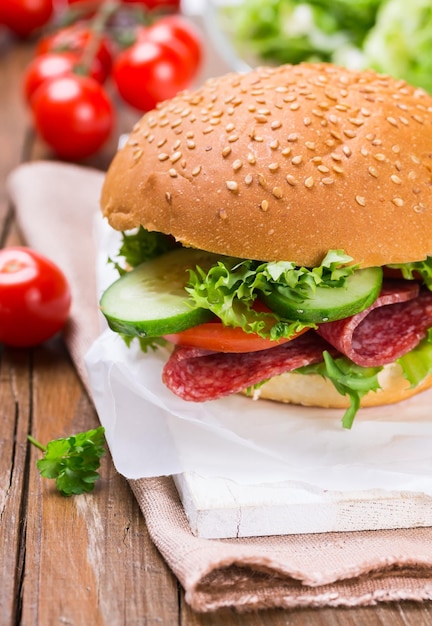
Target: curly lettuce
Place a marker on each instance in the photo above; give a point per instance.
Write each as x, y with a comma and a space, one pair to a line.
230, 289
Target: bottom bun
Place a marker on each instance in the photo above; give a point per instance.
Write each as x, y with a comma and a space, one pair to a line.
314, 390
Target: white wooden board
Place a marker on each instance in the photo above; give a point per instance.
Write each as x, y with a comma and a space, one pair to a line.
218, 508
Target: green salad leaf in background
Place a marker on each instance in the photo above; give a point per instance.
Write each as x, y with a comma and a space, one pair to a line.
391, 36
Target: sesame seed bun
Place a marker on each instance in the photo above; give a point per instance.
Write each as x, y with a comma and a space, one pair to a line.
284, 164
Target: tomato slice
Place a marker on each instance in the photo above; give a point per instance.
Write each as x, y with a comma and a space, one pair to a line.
219, 338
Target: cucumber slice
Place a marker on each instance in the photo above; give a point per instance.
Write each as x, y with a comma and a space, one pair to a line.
150, 300
328, 304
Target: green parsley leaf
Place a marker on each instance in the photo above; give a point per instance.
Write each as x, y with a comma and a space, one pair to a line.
72, 462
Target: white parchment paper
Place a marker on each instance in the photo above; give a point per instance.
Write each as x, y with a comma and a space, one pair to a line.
151, 432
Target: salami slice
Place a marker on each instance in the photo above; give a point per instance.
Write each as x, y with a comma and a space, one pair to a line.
391, 327
199, 375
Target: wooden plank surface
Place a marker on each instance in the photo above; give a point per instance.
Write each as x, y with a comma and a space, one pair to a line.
89, 559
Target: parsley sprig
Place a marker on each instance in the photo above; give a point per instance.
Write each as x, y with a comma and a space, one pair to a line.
73, 462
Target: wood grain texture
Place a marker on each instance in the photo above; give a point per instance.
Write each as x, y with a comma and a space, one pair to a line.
88, 559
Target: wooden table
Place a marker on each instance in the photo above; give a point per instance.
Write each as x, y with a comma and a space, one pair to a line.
88, 560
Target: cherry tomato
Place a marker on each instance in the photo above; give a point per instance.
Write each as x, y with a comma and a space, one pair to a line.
73, 115
35, 297
23, 17
149, 72
52, 65
75, 39
173, 5
219, 338
181, 35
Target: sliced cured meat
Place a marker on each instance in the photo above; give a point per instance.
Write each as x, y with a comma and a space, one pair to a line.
396, 322
199, 375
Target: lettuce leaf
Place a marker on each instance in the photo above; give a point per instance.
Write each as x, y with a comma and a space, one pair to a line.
230, 288
417, 364
411, 271
348, 379
140, 246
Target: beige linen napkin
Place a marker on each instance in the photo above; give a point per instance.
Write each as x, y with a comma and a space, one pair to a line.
55, 204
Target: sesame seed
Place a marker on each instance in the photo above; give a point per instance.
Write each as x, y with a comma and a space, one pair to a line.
364, 152
176, 123
396, 149
233, 138
360, 200
251, 158
350, 134
292, 137
337, 169
310, 145
273, 167
229, 127
291, 180
168, 197
163, 156
397, 201
248, 179
379, 156
264, 205
190, 144
392, 121
276, 124
327, 180
196, 170
262, 180
286, 152
277, 192
307, 121
297, 159
173, 173
261, 119
237, 165
274, 145
309, 182
373, 172
294, 106
232, 185
175, 157
395, 179
226, 151
419, 208
323, 169
335, 156
222, 214
208, 130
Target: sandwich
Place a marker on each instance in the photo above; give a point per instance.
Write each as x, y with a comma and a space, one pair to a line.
277, 236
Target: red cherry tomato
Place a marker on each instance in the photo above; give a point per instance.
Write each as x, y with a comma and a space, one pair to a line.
149, 72
74, 39
23, 17
73, 115
173, 5
181, 35
35, 297
219, 338
52, 65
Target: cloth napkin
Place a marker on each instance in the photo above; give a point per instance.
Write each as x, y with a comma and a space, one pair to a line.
55, 205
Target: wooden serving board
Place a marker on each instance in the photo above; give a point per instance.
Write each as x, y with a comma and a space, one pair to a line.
218, 508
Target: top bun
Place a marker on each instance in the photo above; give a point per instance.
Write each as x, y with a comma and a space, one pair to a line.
284, 164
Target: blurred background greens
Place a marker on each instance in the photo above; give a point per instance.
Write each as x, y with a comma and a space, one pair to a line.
391, 36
